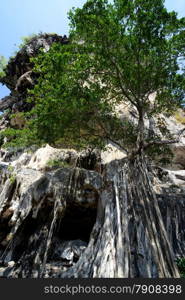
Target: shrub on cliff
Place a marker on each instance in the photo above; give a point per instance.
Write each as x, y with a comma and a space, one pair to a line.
3, 63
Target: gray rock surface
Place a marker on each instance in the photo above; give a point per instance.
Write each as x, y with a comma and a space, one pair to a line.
48, 217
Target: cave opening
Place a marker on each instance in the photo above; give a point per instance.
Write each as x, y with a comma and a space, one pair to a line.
77, 223
72, 235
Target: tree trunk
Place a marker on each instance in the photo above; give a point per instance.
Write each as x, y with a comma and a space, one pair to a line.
141, 129
129, 238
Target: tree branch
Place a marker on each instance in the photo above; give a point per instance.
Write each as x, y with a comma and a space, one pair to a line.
163, 142
107, 135
120, 83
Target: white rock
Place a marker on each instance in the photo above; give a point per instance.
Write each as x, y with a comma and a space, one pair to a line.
22, 161
39, 160
11, 264
113, 152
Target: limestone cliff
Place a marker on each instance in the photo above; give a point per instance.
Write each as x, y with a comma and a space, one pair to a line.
65, 213
50, 214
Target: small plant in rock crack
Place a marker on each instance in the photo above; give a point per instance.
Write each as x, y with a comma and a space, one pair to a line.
12, 174
181, 266
12, 179
56, 163
10, 168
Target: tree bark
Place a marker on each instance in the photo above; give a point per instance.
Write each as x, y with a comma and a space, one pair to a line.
141, 127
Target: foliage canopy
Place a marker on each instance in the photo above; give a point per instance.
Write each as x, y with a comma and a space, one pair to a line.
119, 54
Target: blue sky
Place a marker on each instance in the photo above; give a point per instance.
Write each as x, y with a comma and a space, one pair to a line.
20, 18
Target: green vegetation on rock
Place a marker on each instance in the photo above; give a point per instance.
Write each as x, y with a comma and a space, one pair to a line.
57, 163
181, 266
3, 63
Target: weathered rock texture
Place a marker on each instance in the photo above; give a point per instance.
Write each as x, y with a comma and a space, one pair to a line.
19, 75
82, 219
41, 211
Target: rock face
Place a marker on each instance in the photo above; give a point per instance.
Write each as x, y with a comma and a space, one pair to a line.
20, 66
19, 75
49, 216
40, 211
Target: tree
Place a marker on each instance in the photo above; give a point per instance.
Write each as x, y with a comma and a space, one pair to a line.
133, 49
119, 53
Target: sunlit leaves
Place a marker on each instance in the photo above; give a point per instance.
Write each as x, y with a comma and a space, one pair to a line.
3, 63
118, 53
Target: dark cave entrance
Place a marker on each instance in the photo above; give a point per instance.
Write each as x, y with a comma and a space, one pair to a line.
77, 223
72, 235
